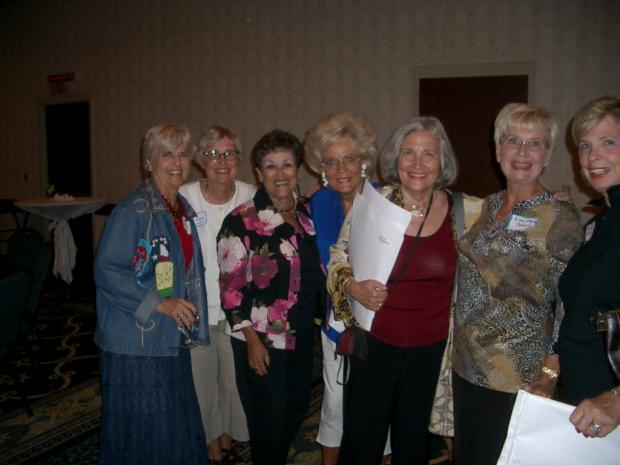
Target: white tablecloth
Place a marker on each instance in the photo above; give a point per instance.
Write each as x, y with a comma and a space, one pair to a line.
60, 211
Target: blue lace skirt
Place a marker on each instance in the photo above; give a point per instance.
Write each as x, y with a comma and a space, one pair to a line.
150, 412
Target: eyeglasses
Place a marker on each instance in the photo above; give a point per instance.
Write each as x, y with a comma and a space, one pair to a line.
346, 161
531, 145
213, 156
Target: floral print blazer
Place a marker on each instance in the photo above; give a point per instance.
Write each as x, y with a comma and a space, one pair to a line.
260, 269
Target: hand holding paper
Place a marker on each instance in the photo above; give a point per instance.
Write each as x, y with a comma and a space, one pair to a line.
377, 232
540, 433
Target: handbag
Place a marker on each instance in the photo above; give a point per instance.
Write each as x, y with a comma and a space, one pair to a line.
353, 343
609, 323
442, 414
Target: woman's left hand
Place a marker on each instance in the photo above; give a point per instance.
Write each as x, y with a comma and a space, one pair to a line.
547, 378
541, 387
597, 417
180, 310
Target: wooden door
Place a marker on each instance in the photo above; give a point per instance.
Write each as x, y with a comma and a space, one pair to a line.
467, 107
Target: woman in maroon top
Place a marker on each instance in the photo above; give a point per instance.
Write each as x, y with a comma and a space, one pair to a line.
395, 385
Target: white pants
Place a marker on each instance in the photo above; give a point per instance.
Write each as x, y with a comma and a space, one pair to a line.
213, 369
330, 427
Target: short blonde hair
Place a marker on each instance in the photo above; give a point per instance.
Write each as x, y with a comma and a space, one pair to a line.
592, 113
526, 116
335, 126
166, 137
212, 135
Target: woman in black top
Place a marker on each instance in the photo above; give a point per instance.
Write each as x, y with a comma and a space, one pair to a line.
271, 286
591, 281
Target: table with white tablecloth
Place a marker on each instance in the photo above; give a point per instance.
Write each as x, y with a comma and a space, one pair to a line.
60, 211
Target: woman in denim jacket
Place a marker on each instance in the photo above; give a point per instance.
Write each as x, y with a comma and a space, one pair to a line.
150, 282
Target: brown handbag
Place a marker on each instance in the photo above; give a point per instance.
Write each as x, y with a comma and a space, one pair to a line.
609, 323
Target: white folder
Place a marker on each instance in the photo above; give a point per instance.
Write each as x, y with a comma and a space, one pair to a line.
377, 232
541, 434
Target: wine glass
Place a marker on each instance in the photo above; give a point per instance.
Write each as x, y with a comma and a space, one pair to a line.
190, 334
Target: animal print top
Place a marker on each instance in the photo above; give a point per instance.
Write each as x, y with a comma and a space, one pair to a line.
508, 311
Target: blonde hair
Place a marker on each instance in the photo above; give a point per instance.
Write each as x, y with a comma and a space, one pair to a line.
526, 116
335, 126
212, 135
592, 113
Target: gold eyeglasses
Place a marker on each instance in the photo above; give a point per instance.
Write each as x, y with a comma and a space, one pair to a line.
346, 161
213, 156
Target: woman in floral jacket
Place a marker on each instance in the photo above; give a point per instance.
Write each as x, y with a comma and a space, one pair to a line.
271, 286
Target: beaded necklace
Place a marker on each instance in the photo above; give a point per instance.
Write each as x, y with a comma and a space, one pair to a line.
178, 212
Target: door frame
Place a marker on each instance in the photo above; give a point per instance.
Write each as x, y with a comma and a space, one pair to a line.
527, 68
42, 103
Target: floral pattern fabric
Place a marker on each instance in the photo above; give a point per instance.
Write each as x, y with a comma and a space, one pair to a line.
260, 269
508, 311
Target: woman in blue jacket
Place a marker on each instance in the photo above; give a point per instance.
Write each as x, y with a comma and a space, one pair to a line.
150, 282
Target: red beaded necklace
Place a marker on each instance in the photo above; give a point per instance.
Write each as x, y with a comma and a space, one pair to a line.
178, 212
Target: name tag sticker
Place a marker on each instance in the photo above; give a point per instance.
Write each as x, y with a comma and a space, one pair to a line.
522, 223
200, 219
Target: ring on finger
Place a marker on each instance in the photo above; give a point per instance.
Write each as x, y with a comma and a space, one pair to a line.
595, 428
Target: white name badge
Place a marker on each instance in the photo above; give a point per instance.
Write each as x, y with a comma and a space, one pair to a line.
521, 223
200, 219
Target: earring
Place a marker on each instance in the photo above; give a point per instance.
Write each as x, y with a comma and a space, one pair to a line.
363, 173
324, 179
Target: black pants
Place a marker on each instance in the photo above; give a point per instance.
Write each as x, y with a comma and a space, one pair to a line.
393, 388
275, 404
481, 418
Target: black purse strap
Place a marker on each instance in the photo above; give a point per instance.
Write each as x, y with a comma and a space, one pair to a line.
415, 242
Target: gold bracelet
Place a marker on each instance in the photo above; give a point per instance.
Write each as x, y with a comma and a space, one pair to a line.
344, 286
550, 372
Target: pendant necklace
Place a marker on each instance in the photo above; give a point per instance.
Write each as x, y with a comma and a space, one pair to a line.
285, 210
417, 210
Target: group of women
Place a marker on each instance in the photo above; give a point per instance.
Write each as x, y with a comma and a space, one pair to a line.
490, 295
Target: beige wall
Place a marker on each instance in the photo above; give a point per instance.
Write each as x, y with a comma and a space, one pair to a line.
254, 65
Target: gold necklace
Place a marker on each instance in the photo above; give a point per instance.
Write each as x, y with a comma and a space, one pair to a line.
417, 210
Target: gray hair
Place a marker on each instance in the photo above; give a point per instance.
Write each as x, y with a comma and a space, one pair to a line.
165, 137
448, 167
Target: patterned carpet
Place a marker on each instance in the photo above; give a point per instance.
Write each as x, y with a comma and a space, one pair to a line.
57, 365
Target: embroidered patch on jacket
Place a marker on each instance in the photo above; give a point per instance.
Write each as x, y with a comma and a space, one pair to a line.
141, 257
164, 268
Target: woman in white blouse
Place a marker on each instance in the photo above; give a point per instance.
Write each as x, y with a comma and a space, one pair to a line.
213, 197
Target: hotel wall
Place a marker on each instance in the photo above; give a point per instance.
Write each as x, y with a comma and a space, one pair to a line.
256, 65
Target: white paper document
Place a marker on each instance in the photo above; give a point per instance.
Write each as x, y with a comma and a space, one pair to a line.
540, 433
377, 232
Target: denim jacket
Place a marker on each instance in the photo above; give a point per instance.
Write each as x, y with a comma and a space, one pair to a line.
138, 235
